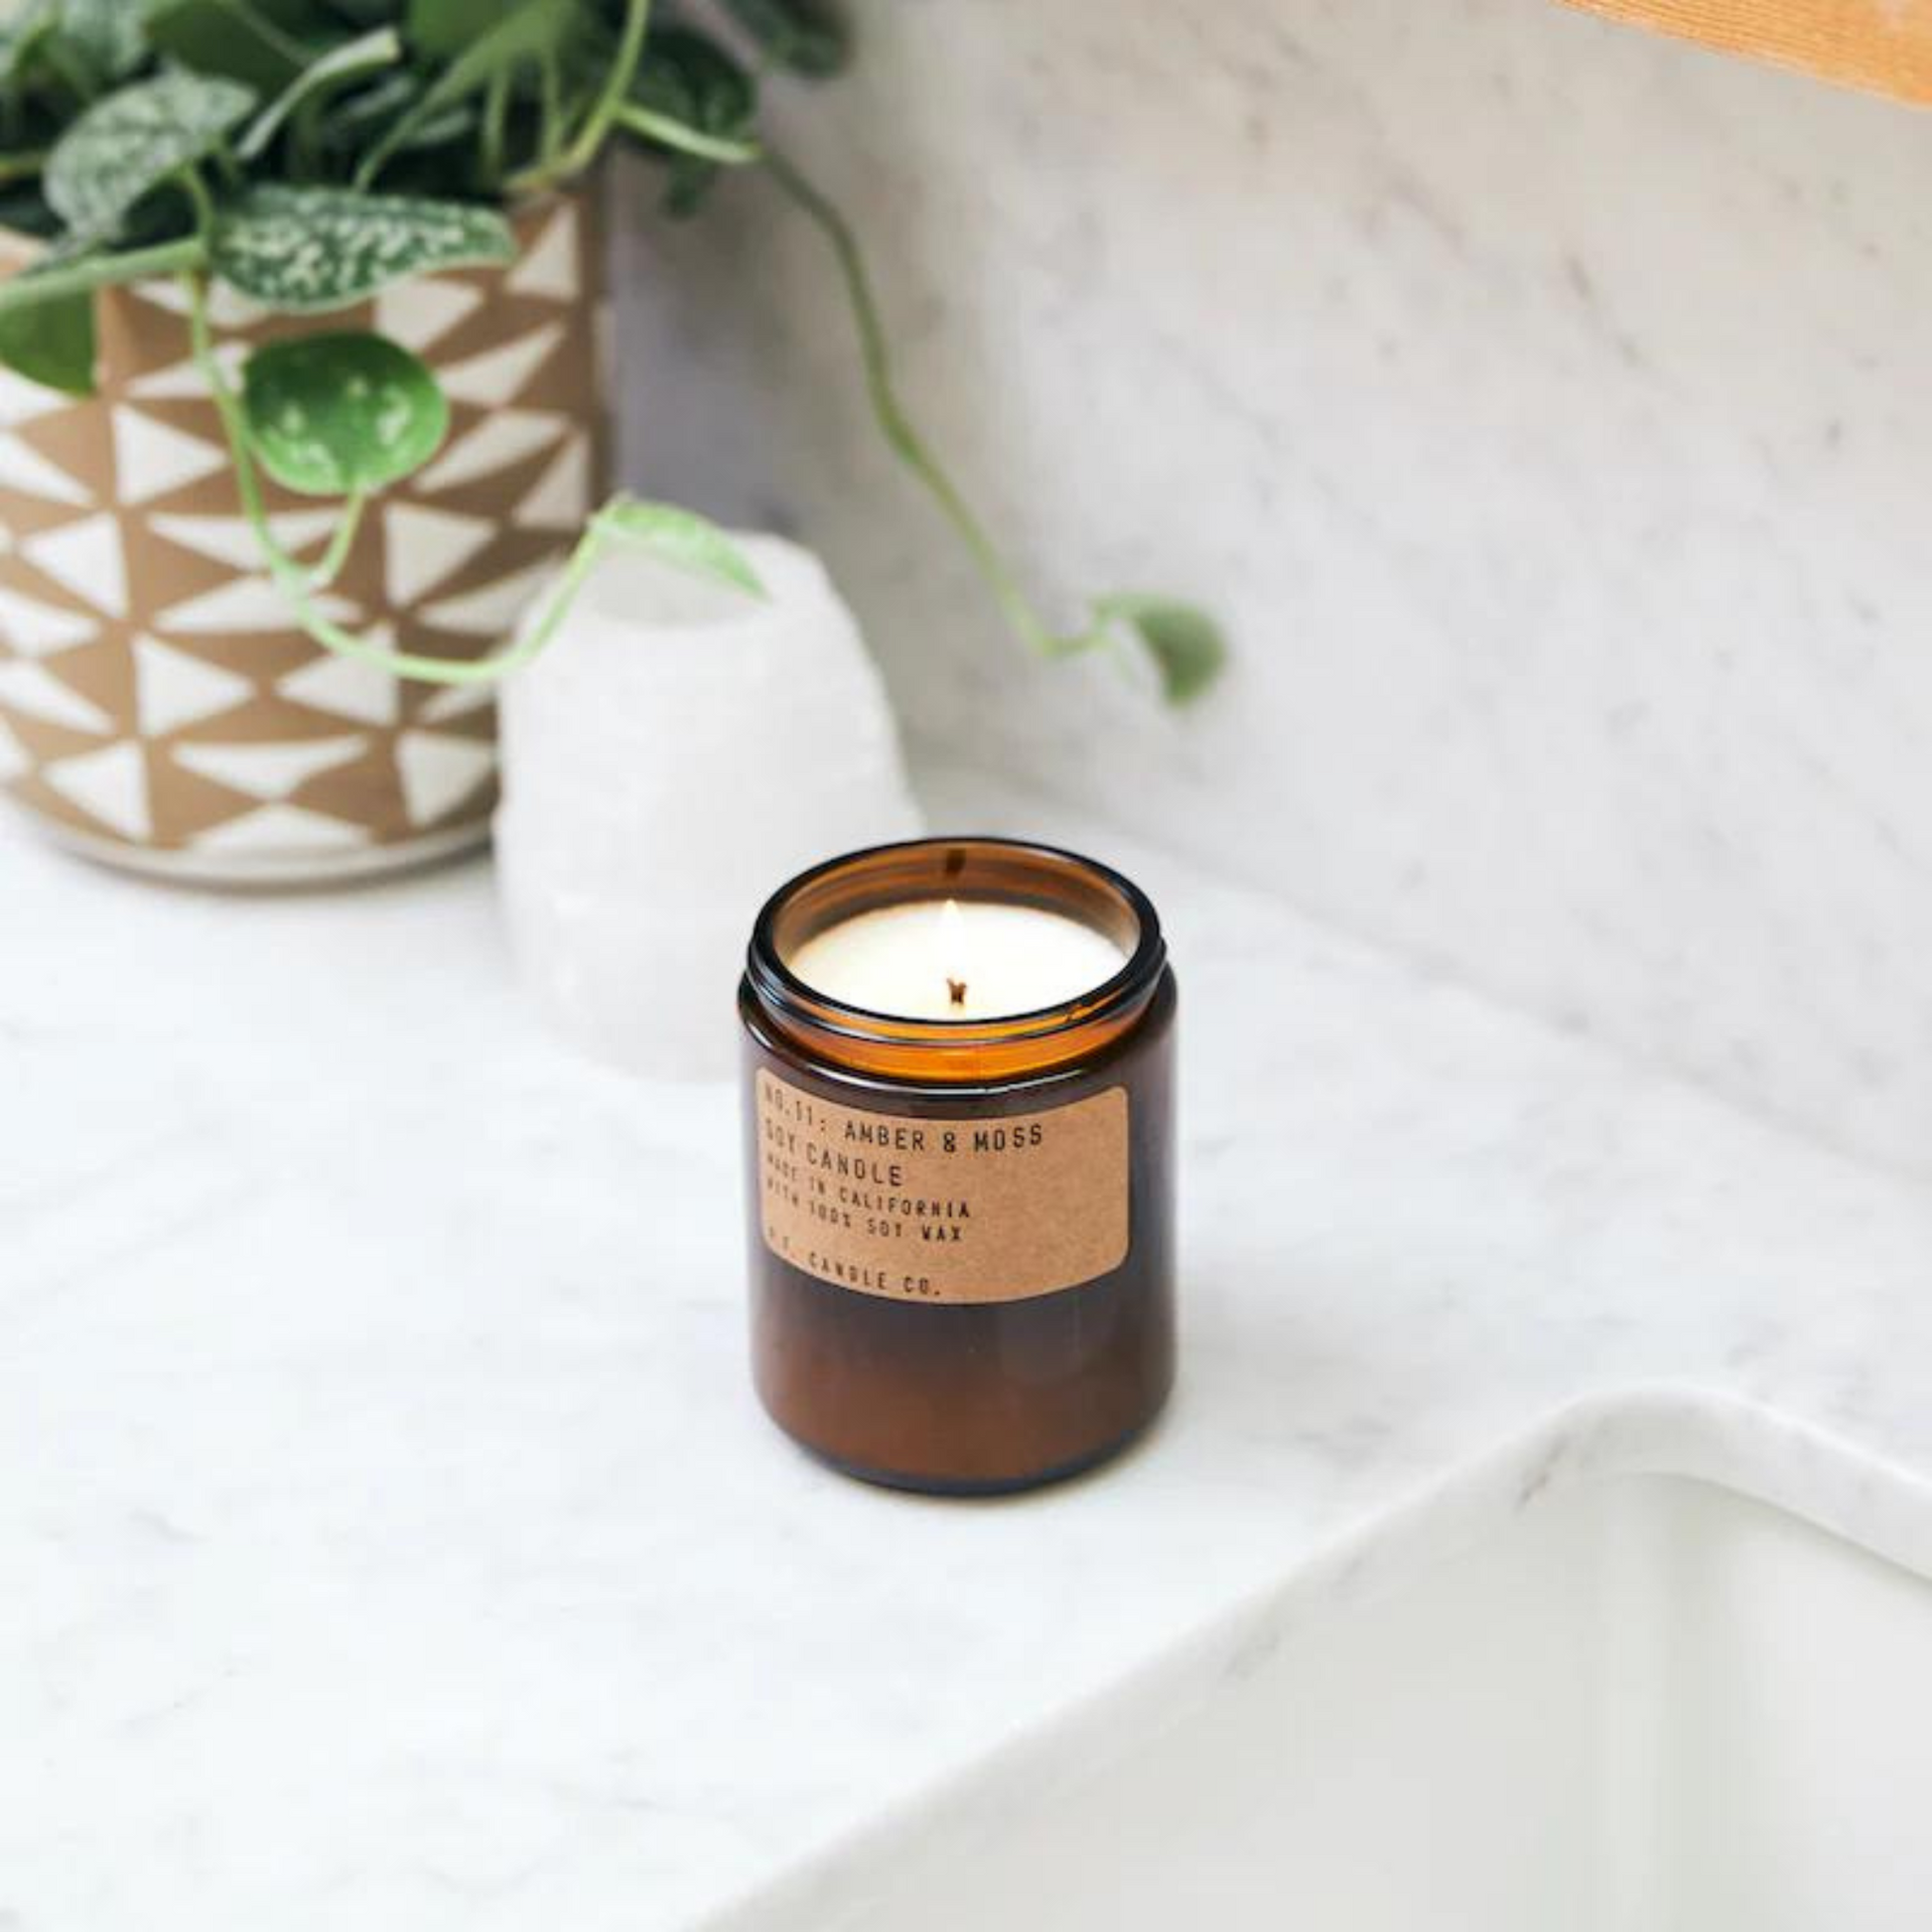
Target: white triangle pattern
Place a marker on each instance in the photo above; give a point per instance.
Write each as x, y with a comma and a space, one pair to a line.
494, 377
87, 557
346, 687
439, 773
416, 314
426, 546
423, 546
229, 308
504, 437
23, 467
455, 701
561, 497
170, 297
21, 401
172, 689
36, 693
549, 264
111, 786
270, 770
184, 383
244, 604
151, 458
297, 530
495, 610
274, 831
232, 540
34, 629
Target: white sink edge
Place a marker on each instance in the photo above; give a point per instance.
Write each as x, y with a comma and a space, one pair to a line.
1648, 1428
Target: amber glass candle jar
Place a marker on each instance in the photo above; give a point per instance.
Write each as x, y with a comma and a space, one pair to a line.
961, 1217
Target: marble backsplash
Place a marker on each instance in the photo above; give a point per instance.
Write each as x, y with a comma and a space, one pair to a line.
1544, 406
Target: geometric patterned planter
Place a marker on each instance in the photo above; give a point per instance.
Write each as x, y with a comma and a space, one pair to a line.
158, 710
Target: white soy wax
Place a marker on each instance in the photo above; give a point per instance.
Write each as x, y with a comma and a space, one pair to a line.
946, 959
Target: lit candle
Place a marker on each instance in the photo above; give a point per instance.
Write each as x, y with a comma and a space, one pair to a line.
936, 959
960, 1185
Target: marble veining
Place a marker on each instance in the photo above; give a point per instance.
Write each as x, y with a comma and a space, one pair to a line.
1541, 400
391, 1534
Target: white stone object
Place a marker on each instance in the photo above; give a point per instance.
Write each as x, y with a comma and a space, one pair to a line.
680, 751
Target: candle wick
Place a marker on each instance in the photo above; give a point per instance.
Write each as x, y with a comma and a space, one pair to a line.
957, 988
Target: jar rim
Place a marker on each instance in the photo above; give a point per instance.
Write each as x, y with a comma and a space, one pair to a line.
784, 994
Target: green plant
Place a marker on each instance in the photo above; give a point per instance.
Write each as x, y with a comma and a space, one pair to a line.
308, 152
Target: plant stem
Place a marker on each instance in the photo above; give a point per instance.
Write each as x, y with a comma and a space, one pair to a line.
301, 102
298, 584
88, 272
301, 586
896, 426
516, 36
247, 485
550, 104
330, 566
686, 138
496, 116
582, 148
443, 670
196, 189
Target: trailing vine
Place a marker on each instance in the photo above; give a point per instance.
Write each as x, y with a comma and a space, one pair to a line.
307, 153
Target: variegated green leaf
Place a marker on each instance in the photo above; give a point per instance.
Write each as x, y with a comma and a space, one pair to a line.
126, 145
307, 250
108, 31
341, 414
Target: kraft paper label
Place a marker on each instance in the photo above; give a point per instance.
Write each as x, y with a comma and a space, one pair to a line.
943, 1211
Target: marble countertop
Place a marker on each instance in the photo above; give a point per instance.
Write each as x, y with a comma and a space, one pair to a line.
389, 1534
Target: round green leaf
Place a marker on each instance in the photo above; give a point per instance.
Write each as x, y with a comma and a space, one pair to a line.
1185, 644
107, 31
340, 414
